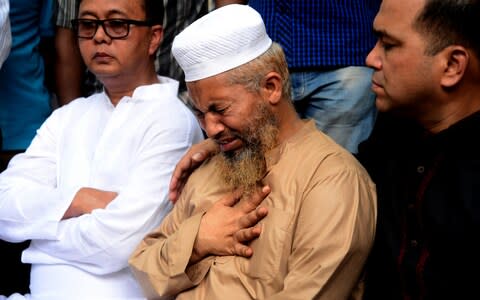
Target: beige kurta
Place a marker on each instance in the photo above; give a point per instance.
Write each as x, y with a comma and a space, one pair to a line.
314, 242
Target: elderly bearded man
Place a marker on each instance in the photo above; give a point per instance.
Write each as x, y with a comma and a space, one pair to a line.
319, 217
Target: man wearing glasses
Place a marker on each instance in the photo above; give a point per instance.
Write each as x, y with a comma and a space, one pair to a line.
95, 179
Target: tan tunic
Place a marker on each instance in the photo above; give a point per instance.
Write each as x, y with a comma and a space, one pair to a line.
314, 242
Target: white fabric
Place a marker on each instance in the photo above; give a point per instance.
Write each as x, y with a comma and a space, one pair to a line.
225, 38
131, 149
5, 33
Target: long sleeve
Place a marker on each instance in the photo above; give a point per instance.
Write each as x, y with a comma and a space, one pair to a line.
130, 149
101, 242
160, 262
47, 18
314, 242
334, 232
31, 204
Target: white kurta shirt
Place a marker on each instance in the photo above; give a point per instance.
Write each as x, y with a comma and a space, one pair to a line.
130, 149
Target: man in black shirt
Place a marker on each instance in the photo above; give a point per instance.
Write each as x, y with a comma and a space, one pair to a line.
424, 154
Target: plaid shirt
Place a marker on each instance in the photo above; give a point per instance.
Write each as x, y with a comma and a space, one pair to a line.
178, 15
320, 33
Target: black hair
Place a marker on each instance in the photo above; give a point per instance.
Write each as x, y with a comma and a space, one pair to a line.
450, 22
154, 11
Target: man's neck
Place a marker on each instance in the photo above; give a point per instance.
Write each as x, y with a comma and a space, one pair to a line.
289, 125
116, 89
452, 113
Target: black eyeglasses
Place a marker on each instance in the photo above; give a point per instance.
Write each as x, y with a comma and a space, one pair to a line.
114, 28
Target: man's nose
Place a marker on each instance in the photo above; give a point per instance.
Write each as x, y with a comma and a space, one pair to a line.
213, 125
373, 59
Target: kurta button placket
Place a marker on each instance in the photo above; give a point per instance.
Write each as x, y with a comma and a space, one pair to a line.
420, 169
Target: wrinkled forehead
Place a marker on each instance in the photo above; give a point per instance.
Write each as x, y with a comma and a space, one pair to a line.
212, 90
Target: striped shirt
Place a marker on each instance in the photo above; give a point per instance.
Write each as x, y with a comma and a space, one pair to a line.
320, 33
178, 15
66, 11
5, 34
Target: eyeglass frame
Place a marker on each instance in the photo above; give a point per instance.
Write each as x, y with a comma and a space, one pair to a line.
98, 23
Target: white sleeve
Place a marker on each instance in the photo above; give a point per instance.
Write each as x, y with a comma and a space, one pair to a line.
101, 242
5, 33
31, 206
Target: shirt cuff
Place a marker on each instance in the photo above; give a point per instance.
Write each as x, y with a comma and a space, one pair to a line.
181, 248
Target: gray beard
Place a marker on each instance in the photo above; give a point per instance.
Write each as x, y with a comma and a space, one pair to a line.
246, 167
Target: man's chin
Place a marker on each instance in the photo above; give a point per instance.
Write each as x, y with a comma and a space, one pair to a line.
382, 104
104, 71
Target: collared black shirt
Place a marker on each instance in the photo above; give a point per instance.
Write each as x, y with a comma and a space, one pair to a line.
428, 227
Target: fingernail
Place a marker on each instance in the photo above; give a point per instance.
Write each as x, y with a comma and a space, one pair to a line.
197, 156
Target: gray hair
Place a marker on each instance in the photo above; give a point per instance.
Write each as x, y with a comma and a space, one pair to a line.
251, 74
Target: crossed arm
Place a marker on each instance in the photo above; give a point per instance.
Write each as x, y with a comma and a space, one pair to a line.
88, 199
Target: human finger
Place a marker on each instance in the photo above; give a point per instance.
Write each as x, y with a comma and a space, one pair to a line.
242, 250
248, 234
251, 202
180, 174
187, 164
174, 194
253, 217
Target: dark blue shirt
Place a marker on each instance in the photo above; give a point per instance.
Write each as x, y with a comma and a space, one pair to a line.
320, 34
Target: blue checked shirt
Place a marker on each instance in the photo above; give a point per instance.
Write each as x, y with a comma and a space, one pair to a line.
320, 33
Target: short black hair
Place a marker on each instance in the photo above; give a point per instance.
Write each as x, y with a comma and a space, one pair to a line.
450, 22
154, 11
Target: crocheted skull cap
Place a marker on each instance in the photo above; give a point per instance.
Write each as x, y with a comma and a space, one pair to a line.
224, 39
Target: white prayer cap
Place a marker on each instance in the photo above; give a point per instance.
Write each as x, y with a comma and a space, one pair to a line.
224, 39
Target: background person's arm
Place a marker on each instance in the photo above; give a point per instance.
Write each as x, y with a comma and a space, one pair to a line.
69, 67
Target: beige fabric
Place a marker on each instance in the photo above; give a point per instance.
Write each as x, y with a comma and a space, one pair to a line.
314, 243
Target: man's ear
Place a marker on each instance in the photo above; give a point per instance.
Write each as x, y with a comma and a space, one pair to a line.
156, 39
272, 87
455, 61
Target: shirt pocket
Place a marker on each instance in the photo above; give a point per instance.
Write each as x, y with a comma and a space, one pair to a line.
270, 255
